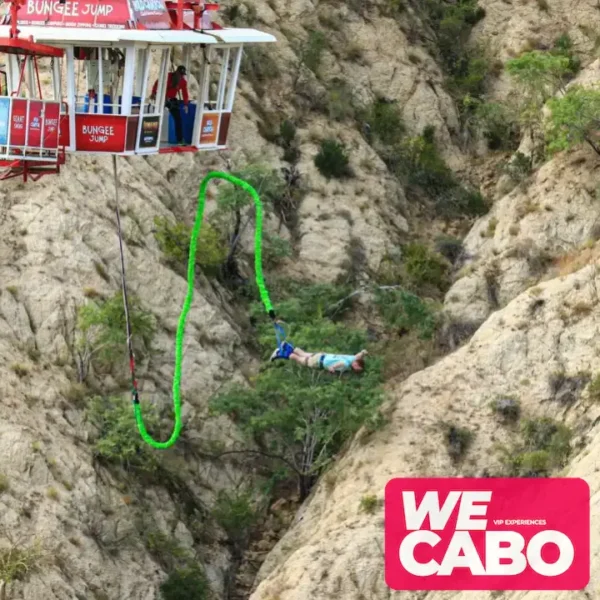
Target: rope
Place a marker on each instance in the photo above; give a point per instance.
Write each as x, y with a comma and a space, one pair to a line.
135, 392
264, 296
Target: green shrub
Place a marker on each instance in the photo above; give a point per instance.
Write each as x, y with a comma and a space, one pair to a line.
450, 248
369, 504
385, 121
102, 331
418, 162
458, 441
498, 125
424, 267
174, 241
406, 312
18, 562
332, 160
118, 440
519, 167
235, 513
545, 446
275, 249
563, 46
188, 583
508, 409
312, 51
594, 389
340, 100
573, 119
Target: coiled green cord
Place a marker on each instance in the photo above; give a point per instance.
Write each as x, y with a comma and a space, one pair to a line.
264, 296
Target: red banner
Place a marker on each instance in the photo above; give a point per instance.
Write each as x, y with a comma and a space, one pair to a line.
64, 139
152, 14
34, 124
100, 133
75, 13
51, 121
18, 122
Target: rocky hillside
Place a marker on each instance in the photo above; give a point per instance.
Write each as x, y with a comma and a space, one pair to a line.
371, 129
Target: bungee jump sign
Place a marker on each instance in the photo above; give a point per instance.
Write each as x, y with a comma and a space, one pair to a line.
487, 534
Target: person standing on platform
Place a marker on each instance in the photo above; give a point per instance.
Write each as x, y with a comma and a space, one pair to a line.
176, 83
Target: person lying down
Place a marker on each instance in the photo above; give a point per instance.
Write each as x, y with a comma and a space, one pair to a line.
334, 363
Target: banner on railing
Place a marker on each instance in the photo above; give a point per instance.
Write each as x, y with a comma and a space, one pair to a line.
4, 118
51, 122
18, 122
100, 133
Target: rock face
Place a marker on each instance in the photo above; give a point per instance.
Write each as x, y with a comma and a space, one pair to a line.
335, 549
59, 244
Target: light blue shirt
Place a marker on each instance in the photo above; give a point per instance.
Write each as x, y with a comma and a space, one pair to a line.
332, 359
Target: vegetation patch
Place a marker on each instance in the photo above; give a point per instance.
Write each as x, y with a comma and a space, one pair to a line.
545, 446
332, 160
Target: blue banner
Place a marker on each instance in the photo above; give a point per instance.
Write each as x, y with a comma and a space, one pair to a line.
4, 114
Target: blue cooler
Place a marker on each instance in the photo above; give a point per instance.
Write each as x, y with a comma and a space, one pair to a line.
134, 100
107, 110
187, 120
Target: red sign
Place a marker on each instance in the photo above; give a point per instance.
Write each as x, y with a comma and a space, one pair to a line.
100, 133
34, 124
51, 125
18, 122
487, 534
75, 13
152, 14
209, 128
64, 138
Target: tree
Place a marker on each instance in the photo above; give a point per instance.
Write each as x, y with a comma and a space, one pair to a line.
575, 117
299, 417
235, 208
539, 75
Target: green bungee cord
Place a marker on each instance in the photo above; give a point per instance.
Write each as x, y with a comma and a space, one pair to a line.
264, 296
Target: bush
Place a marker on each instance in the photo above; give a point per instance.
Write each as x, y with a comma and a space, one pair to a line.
174, 242
407, 312
385, 121
188, 583
340, 100
508, 409
594, 389
312, 52
458, 441
275, 249
545, 446
519, 167
369, 504
423, 267
498, 125
102, 331
16, 563
118, 440
235, 513
418, 162
332, 160
449, 247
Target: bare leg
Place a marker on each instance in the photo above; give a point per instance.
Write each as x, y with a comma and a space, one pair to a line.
300, 353
301, 360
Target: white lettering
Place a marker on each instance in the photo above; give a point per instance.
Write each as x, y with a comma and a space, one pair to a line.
494, 553
51, 7
430, 506
407, 553
565, 548
99, 130
467, 510
461, 542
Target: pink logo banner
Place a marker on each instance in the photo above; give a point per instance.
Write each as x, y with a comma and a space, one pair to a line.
487, 534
